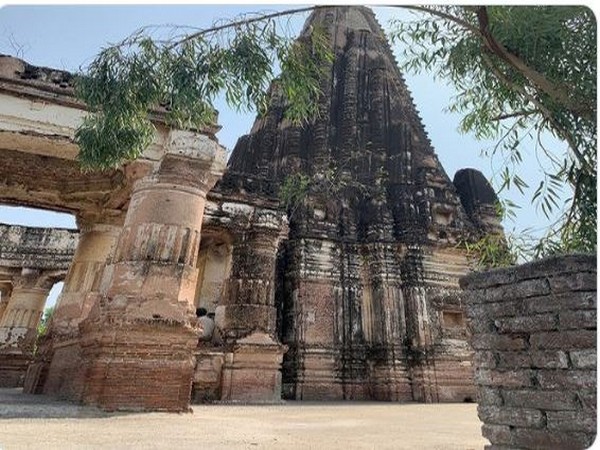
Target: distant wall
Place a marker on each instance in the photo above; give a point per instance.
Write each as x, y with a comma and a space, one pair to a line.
534, 335
39, 248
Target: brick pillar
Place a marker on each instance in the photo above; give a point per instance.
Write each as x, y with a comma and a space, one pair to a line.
59, 357
139, 338
18, 327
252, 369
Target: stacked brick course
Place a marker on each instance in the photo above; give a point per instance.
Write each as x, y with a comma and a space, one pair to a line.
534, 336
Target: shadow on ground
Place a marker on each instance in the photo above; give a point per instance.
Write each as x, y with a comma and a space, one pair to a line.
14, 404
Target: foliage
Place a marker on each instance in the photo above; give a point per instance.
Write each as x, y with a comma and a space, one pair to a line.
183, 75
521, 71
293, 190
328, 181
492, 250
43, 325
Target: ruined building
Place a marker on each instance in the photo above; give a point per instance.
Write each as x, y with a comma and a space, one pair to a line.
330, 253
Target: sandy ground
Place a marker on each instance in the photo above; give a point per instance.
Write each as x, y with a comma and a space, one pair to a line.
36, 422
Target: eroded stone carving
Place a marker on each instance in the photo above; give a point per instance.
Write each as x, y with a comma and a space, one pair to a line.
372, 262
31, 261
355, 289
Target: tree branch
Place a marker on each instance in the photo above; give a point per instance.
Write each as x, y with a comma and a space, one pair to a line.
542, 109
243, 22
555, 92
514, 114
549, 88
442, 15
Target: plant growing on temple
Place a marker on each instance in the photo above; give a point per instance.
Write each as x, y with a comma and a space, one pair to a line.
293, 190
519, 72
328, 183
183, 74
42, 327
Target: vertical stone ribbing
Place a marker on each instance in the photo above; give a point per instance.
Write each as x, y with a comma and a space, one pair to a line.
357, 325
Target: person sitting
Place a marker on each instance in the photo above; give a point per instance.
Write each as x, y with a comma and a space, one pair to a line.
207, 325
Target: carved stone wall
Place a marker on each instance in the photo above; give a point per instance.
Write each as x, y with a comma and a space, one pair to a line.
363, 290
31, 261
372, 261
40, 248
534, 335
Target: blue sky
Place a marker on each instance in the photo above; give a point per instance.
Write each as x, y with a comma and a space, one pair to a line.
67, 37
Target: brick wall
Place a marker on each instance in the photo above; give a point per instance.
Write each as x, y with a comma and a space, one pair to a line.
534, 335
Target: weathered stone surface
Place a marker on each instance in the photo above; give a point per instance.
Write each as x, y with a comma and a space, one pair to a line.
568, 379
363, 290
498, 342
584, 359
510, 378
489, 396
561, 302
563, 339
367, 295
584, 281
564, 264
542, 439
497, 433
518, 417
543, 359
36, 248
570, 421
578, 319
541, 393
545, 400
529, 323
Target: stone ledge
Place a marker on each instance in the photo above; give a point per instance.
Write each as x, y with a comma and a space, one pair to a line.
554, 265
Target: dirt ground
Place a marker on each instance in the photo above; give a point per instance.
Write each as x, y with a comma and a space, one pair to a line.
36, 422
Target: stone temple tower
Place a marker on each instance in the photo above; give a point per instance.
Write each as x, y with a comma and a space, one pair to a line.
366, 284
